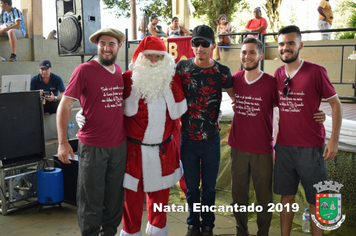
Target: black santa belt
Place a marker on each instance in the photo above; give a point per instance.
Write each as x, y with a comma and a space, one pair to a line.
151, 145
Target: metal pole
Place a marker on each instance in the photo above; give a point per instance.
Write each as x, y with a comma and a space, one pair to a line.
263, 51
127, 46
342, 62
354, 86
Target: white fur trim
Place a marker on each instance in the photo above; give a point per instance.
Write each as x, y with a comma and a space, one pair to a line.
151, 169
131, 104
151, 162
123, 233
130, 182
156, 122
176, 109
154, 52
155, 231
152, 185
162, 182
170, 180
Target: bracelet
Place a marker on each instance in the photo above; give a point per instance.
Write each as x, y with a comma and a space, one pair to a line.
63, 143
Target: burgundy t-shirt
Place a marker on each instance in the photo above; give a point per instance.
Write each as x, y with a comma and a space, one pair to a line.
309, 85
100, 93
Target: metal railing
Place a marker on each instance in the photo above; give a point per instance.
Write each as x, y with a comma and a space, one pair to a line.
127, 46
263, 37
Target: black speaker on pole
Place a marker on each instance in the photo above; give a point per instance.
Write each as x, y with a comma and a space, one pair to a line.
76, 21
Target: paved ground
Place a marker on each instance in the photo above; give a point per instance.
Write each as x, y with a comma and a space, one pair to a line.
53, 221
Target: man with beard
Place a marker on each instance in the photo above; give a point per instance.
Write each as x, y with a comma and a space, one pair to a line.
251, 136
300, 150
203, 80
98, 86
153, 101
251, 154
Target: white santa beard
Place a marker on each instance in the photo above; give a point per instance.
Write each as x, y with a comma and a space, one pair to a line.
152, 80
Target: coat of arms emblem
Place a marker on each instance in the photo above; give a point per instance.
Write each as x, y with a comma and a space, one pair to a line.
328, 206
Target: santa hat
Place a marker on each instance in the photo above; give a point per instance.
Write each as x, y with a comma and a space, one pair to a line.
150, 45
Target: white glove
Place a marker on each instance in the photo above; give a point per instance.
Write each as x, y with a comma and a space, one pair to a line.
80, 119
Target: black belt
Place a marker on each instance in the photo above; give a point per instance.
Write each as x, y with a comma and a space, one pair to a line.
151, 145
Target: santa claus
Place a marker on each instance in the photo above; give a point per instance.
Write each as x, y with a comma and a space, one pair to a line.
153, 101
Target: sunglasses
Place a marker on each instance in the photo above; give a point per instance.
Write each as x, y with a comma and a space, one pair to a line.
287, 89
204, 44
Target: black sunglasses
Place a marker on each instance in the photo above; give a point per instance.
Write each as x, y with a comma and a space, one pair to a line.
287, 89
204, 44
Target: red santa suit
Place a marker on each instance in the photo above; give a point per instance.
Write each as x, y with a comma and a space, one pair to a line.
152, 165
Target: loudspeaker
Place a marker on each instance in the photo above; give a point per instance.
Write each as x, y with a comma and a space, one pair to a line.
76, 21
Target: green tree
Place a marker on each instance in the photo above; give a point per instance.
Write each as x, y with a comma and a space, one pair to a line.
163, 8
211, 9
272, 10
205, 9
352, 22
345, 17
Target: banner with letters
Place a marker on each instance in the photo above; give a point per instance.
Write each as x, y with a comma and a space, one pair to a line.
180, 48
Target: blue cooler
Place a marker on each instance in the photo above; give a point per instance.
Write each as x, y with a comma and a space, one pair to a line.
50, 185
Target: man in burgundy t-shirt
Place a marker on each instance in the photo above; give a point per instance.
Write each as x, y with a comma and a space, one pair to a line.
300, 150
251, 136
98, 86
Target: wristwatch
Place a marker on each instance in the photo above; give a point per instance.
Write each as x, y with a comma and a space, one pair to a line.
55, 98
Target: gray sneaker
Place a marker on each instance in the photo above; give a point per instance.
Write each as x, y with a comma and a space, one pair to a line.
13, 57
2, 59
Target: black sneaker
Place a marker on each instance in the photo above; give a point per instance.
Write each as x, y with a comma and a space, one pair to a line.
13, 57
193, 231
206, 231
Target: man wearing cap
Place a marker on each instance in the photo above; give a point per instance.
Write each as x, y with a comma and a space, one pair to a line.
203, 80
98, 86
50, 85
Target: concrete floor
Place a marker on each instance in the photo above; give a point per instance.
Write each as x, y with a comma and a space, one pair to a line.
53, 221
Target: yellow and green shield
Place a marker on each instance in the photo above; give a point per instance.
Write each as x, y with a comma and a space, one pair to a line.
328, 208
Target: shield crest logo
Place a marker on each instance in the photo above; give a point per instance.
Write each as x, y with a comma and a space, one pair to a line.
328, 208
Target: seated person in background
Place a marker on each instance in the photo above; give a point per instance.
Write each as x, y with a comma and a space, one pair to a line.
223, 27
152, 27
159, 29
257, 24
174, 30
50, 85
52, 35
12, 25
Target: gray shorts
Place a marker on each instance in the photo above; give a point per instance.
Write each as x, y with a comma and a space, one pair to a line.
294, 164
18, 33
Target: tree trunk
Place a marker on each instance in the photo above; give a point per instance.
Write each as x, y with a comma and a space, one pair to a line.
272, 10
133, 19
